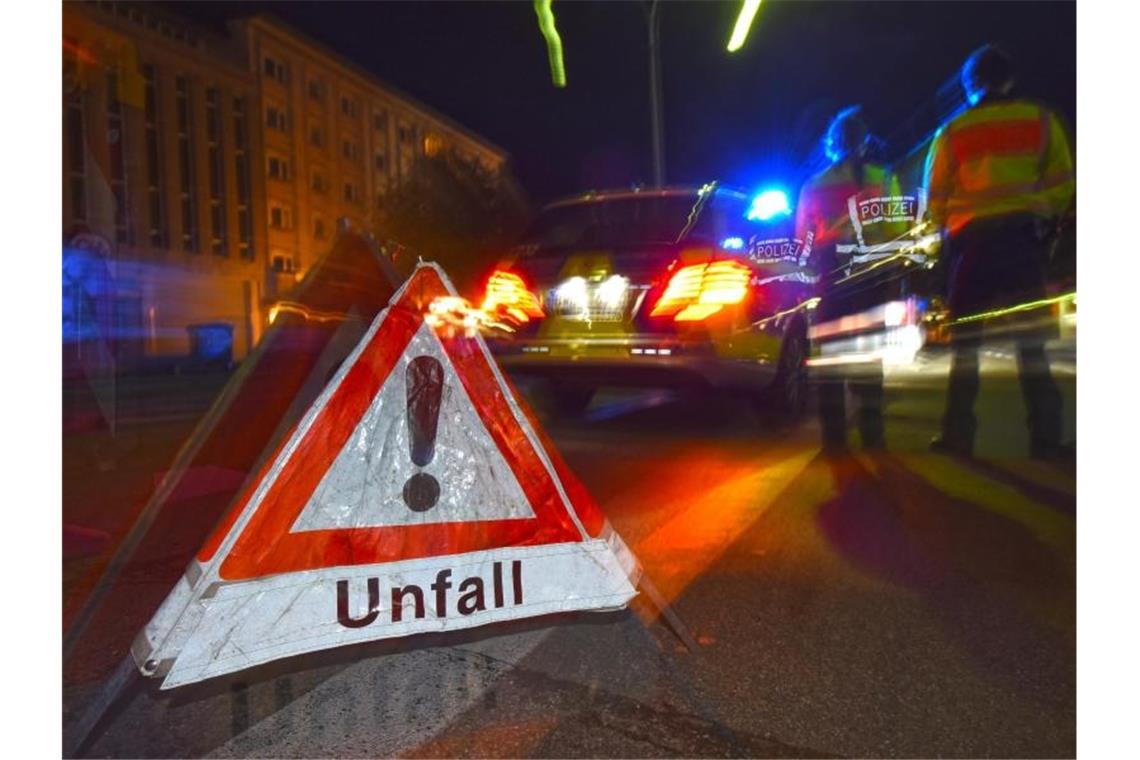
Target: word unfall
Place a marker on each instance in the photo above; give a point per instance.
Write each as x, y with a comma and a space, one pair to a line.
409, 598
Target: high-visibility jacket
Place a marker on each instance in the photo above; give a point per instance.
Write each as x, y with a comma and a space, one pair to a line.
856, 224
1001, 157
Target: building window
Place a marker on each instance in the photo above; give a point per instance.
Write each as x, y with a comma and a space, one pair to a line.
351, 194
433, 145
275, 118
117, 168
278, 168
406, 134
350, 150
276, 70
316, 136
75, 140
380, 121
316, 91
381, 162
283, 263
348, 106
156, 204
186, 184
244, 181
217, 173
319, 228
319, 183
280, 217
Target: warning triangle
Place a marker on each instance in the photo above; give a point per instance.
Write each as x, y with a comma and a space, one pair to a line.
414, 495
364, 486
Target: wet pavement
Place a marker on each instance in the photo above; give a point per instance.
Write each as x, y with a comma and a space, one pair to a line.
898, 604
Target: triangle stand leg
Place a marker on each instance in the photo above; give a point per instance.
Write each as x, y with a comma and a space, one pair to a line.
672, 619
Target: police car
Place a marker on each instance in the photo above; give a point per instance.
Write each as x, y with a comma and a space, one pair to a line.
682, 287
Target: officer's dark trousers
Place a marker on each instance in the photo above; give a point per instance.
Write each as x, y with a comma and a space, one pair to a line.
865, 379
866, 384
993, 264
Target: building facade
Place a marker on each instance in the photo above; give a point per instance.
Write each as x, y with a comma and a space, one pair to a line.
216, 167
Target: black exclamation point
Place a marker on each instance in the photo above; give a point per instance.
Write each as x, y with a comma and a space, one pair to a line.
424, 382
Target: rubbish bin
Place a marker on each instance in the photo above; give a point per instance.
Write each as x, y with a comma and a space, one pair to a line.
211, 344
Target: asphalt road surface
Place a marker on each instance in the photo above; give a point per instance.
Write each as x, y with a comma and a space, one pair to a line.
900, 604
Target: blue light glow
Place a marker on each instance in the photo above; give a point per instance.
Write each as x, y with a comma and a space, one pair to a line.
732, 243
769, 204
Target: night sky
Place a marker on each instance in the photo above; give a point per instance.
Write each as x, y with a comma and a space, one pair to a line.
747, 118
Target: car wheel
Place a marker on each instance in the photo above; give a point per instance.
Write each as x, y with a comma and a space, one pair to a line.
787, 395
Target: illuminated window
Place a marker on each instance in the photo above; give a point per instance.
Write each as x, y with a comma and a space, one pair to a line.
275, 118
186, 184
319, 182
116, 139
156, 205
217, 173
244, 194
276, 70
348, 106
280, 217
278, 168
433, 145
283, 263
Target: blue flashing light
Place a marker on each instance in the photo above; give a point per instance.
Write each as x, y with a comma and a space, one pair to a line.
732, 244
769, 204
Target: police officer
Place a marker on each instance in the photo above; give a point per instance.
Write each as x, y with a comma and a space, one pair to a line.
827, 219
998, 175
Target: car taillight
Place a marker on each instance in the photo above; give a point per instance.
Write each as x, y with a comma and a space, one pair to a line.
507, 292
701, 290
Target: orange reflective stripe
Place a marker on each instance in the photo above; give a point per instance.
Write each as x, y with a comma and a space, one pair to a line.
1002, 138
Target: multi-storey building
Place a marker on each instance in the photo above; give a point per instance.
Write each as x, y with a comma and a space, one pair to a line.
217, 166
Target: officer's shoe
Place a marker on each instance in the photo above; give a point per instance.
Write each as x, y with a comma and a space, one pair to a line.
943, 445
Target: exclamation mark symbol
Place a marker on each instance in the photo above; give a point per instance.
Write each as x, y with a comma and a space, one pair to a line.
424, 382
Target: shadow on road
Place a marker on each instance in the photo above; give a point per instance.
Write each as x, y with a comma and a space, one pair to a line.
1003, 595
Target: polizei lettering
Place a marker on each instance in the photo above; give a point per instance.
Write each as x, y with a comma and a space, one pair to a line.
410, 601
895, 208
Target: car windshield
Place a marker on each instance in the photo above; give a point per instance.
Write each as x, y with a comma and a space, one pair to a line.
621, 221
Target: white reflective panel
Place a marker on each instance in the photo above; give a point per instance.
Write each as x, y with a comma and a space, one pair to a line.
364, 486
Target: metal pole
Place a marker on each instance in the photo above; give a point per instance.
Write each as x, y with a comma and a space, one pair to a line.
657, 121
